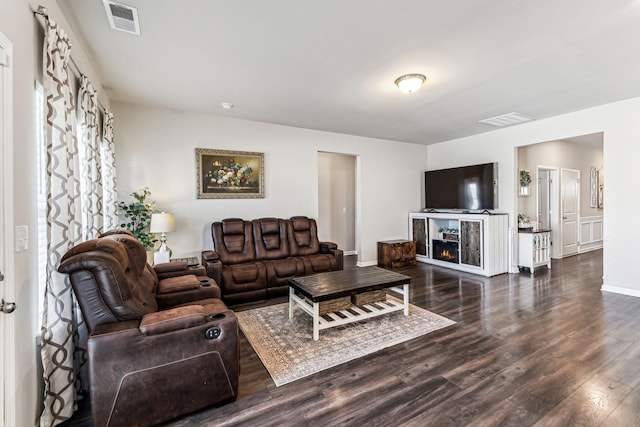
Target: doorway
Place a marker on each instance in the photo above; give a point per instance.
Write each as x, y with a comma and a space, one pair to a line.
337, 200
559, 198
547, 204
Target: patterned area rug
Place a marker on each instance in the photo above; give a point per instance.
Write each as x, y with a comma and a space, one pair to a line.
289, 353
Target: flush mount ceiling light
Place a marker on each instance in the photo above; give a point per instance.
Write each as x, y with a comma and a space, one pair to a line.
410, 83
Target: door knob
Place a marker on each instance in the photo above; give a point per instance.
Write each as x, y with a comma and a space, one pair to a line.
1, 277
8, 307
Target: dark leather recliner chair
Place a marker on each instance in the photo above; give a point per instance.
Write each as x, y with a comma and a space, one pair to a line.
159, 346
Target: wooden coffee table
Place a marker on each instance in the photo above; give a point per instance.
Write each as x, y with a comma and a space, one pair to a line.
309, 291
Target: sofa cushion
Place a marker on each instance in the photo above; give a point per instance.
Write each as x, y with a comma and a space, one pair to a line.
243, 277
303, 236
233, 241
279, 270
318, 263
270, 236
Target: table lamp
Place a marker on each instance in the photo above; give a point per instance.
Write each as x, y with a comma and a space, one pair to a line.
162, 223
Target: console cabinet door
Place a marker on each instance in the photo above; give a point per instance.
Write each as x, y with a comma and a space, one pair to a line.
419, 235
471, 243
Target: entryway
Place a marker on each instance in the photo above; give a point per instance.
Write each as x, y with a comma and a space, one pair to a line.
337, 200
562, 197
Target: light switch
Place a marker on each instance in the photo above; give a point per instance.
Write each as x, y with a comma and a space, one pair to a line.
22, 238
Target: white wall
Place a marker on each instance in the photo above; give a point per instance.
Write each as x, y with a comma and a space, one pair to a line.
336, 196
156, 148
621, 127
17, 22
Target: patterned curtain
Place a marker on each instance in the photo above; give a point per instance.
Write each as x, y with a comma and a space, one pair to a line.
81, 203
109, 173
91, 185
61, 361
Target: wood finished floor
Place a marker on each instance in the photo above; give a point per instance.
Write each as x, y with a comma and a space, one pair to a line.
543, 350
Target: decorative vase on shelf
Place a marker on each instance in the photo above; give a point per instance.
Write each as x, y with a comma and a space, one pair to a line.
524, 191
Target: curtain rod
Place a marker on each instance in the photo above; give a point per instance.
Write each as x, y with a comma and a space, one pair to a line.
75, 70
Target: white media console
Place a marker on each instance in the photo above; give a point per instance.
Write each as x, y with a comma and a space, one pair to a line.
475, 243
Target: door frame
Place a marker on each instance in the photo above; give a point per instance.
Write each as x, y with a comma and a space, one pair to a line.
7, 323
554, 206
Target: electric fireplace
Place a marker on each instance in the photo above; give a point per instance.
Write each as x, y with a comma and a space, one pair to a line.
445, 251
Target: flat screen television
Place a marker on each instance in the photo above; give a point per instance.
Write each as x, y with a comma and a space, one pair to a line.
472, 188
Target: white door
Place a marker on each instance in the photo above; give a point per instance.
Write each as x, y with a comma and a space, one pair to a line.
570, 210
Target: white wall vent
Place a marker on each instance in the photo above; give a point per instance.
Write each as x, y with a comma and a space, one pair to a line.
122, 17
505, 120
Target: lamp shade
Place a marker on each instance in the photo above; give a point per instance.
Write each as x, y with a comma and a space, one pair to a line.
162, 222
410, 82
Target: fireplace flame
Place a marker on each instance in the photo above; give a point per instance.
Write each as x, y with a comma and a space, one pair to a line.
446, 254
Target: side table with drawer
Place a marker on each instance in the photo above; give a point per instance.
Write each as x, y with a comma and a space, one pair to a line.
396, 253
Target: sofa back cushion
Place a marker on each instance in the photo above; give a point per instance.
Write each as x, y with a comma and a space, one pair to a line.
233, 241
270, 235
303, 236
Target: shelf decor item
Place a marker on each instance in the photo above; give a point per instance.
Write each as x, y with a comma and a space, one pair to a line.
223, 174
525, 183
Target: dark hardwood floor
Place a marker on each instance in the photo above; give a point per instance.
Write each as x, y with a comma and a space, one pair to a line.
547, 350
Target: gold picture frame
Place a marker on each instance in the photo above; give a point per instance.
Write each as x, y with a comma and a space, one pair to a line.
225, 174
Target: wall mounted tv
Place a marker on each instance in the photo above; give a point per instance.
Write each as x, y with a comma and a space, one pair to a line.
473, 188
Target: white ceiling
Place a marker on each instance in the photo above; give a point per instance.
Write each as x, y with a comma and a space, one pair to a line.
330, 64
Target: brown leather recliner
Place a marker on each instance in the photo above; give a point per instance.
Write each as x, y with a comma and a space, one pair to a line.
158, 347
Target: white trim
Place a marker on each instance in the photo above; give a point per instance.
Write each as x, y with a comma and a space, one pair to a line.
621, 291
366, 263
347, 253
6, 145
590, 226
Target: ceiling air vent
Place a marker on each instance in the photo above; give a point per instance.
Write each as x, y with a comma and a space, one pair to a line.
122, 17
505, 120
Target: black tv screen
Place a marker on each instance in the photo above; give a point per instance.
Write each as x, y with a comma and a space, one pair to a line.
465, 188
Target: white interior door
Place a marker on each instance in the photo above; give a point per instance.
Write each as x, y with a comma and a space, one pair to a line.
570, 210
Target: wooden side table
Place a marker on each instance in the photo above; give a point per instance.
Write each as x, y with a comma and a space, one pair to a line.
396, 253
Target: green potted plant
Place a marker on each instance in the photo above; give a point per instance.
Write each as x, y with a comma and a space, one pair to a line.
137, 216
525, 182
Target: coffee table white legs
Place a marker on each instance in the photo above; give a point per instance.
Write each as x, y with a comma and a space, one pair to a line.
354, 314
405, 291
316, 321
291, 295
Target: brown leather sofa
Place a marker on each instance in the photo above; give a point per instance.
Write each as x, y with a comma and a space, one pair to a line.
252, 260
161, 342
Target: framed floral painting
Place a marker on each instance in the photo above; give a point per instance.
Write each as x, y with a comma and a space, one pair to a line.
226, 174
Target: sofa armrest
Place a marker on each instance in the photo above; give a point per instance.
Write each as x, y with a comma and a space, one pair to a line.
173, 319
326, 247
212, 265
167, 270
332, 248
207, 288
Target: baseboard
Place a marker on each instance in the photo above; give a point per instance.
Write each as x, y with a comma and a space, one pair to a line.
622, 291
366, 263
347, 253
595, 247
